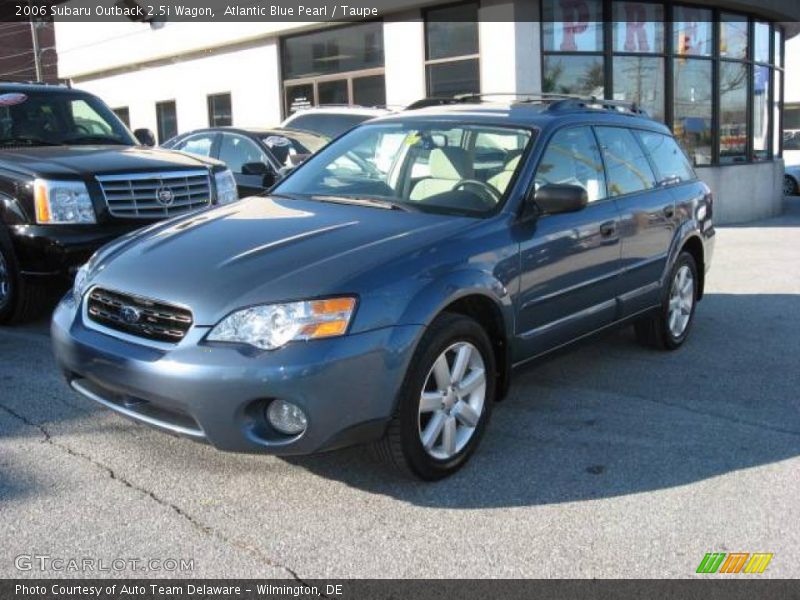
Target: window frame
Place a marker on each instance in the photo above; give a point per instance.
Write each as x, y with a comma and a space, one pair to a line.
209, 99
159, 105
450, 59
776, 68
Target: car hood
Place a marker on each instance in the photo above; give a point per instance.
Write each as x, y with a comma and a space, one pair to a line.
87, 161
264, 249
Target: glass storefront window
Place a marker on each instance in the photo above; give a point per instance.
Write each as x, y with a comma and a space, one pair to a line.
733, 36
641, 79
454, 77
761, 42
638, 27
564, 74
452, 52
335, 50
166, 120
220, 113
778, 55
692, 106
733, 112
451, 31
573, 25
369, 91
761, 112
692, 34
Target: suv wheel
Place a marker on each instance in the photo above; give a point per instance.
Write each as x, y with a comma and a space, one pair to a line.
669, 328
445, 401
20, 301
789, 186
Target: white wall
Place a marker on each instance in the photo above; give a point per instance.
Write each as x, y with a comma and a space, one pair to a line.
250, 75
509, 44
792, 77
404, 52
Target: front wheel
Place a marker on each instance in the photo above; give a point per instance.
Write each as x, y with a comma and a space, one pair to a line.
20, 300
445, 401
669, 328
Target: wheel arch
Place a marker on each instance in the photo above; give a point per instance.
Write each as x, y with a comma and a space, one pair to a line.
694, 246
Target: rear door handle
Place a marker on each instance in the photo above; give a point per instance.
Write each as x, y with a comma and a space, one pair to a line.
608, 228
669, 211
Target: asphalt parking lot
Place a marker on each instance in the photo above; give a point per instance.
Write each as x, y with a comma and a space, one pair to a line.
609, 461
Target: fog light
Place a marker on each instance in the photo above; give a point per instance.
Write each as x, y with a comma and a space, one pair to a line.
286, 417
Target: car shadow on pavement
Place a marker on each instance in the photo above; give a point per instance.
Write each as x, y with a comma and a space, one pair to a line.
611, 418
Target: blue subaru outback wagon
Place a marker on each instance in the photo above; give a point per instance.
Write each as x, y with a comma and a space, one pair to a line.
385, 291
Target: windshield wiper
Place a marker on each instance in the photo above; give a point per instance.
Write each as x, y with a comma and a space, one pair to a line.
372, 202
28, 141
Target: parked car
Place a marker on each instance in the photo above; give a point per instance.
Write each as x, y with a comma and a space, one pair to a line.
257, 157
72, 178
791, 162
332, 121
359, 304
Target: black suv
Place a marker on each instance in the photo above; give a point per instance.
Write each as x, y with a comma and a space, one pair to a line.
72, 178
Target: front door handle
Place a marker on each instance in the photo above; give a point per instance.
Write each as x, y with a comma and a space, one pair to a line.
669, 211
608, 228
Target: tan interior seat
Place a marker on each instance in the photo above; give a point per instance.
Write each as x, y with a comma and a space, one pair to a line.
447, 166
503, 178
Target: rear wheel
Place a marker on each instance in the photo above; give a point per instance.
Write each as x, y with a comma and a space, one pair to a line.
445, 401
789, 186
669, 328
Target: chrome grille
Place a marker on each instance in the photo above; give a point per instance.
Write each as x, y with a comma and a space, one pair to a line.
155, 195
139, 316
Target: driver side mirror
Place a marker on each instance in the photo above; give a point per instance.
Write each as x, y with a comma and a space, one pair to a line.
262, 169
145, 137
556, 198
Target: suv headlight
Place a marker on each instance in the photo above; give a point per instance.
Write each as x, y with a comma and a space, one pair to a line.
62, 202
271, 326
226, 187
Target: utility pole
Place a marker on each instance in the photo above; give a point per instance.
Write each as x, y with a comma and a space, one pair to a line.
36, 53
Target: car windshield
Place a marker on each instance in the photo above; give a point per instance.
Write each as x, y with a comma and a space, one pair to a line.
291, 147
423, 165
58, 118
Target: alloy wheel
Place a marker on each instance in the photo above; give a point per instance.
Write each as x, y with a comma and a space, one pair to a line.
452, 401
681, 301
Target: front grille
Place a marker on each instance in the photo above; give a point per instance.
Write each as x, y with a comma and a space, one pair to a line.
139, 316
155, 195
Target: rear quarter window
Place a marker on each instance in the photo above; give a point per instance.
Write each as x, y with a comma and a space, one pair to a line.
671, 163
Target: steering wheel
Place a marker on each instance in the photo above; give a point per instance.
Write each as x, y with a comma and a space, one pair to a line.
82, 129
490, 194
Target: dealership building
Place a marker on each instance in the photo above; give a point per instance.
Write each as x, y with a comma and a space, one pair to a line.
713, 71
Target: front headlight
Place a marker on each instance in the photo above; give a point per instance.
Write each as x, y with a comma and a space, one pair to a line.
81, 283
271, 326
226, 187
62, 202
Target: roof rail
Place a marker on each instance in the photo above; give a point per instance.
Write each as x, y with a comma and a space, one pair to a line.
595, 103
33, 82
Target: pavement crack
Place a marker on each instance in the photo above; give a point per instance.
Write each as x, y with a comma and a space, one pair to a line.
205, 529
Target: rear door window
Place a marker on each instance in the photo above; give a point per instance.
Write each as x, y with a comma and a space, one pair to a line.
670, 161
627, 168
237, 151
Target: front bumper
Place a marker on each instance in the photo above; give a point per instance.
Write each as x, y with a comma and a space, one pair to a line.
48, 250
218, 393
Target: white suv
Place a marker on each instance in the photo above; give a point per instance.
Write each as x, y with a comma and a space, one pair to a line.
332, 121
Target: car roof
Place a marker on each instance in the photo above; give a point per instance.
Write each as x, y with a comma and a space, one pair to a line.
366, 111
529, 114
254, 131
23, 87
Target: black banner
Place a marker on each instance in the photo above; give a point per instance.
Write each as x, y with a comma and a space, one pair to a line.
735, 588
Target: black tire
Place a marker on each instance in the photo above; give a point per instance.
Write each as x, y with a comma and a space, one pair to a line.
789, 186
23, 301
654, 331
401, 446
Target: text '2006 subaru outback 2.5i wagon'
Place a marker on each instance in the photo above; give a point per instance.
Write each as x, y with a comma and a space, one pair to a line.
385, 290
